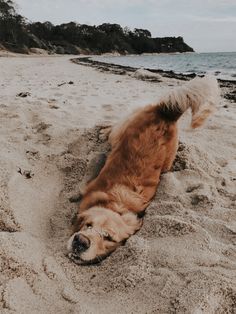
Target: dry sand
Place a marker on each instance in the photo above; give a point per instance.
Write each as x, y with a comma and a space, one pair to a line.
183, 260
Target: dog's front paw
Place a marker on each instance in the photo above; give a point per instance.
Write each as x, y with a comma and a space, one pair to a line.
104, 132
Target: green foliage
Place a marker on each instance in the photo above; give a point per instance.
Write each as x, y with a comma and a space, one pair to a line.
16, 34
13, 32
6, 9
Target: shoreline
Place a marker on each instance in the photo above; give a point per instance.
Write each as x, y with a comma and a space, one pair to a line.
87, 60
121, 69
227, 85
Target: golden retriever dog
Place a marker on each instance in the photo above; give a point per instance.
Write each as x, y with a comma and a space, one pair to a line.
142, 147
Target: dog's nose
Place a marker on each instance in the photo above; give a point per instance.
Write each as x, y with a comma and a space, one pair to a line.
80, 243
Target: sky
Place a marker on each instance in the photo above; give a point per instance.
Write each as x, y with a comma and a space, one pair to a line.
206, 25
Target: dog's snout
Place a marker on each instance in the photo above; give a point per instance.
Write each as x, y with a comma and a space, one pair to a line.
80, 243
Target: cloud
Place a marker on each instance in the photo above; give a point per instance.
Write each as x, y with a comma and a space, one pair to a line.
231, 19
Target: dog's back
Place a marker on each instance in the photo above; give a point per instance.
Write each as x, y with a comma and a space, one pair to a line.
145, 146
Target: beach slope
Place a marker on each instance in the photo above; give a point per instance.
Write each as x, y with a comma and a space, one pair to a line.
183, 260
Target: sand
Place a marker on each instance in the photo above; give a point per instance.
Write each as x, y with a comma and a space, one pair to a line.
183, 260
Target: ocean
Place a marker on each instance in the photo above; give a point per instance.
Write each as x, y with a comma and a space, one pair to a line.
220, 64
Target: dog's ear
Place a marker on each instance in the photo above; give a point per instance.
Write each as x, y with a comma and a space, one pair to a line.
123, 226
132, 221
78, 222
73, 219
93, 199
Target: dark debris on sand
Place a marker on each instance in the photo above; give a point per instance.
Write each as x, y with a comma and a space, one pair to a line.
122, 70
228, 86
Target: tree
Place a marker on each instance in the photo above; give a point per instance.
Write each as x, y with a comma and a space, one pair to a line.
6, 9
12, 25
142, 32
17, 34
111, 28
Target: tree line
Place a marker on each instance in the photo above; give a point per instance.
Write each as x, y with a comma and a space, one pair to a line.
18, 34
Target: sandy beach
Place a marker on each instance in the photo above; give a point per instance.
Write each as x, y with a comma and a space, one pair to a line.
183, 260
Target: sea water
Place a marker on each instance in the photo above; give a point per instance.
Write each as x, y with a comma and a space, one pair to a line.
220, 64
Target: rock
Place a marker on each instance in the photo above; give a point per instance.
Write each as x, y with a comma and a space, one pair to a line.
39, 51
146, 75
35, 42
60, 50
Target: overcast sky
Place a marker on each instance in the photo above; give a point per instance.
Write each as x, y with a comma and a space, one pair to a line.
206, 25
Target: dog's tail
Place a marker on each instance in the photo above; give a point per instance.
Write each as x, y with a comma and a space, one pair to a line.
200, 94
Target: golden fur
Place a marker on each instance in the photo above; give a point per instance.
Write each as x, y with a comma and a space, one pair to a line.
143, 147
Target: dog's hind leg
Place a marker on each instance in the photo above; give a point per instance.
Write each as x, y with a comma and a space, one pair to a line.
104, 132
168, 164
171, 150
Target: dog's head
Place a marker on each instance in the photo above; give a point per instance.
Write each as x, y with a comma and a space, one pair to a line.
99, 231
